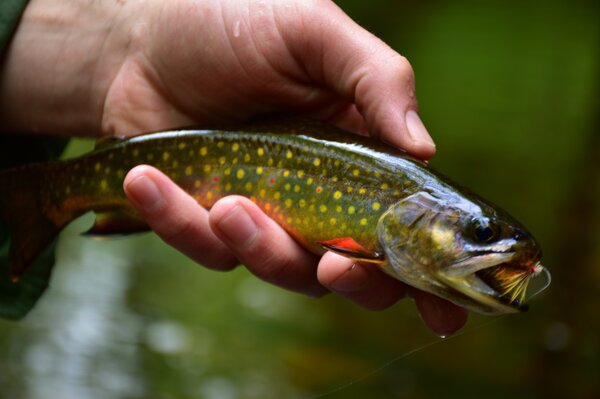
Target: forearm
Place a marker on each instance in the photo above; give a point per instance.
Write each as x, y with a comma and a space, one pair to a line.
59, 65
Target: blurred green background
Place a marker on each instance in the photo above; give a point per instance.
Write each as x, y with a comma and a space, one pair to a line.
511, 93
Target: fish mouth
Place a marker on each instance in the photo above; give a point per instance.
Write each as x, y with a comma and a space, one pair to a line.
495, 280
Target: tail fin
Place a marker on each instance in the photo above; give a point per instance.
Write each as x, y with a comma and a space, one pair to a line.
22, 211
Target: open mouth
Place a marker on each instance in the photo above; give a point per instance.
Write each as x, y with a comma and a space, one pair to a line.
496, 280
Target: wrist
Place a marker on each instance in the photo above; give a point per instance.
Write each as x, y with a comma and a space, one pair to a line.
59, 65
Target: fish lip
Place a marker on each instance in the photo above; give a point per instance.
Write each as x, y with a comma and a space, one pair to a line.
474, 287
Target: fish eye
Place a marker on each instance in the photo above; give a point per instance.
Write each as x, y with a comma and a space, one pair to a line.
484, 231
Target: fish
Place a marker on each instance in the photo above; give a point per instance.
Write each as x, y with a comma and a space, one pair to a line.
331, 190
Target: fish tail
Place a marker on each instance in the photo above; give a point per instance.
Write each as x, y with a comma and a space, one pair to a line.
23, 214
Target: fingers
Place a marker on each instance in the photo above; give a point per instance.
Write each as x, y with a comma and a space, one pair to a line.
361, 283
442, 317
264, 247
176, 217
372, 289
366, 71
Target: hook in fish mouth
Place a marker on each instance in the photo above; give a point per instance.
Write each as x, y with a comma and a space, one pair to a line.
494, 279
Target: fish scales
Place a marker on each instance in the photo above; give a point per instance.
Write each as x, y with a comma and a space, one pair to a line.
315, 191
328, 189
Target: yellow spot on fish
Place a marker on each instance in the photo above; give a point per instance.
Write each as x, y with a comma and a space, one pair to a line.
363, 221
259, 170
300, 173
277, 195
442, 237
337, 195
287, 187
288, 203
188, 170
296, 188
120, 173
67, 190
228, 187
220, 144
376, 206
166, 156
323, 208
262, 193
270, 162
351, 210
175, 164
197, 183
207, 168
235, 147
289, 154
181, 145
362, 190
384, 186
135, 152
302, 203
338, 208
317, 162
286, 173
267, 206
103, 184
107, 170
288, 220
222, 160
150, 156
227, 172
203, 151
310, 180
248, 186
260, 152
209, 195
235, 161
247, 158
349, 189
332, 221
240, 173
98, 166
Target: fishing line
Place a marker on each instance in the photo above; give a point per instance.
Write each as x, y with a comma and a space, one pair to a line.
405, 355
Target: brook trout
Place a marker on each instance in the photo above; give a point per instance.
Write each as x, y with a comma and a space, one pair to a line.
329, 189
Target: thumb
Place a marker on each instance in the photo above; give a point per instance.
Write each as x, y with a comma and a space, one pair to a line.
365, 71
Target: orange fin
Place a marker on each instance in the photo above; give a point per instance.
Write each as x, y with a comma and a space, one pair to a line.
346, 246
115, 224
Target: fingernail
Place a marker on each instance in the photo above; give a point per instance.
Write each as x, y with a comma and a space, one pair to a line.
238, 227
416, 129
144, 192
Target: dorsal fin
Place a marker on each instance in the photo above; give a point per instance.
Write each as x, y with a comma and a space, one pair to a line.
106, 141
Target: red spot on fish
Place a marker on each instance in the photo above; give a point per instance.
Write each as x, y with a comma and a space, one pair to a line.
216, 179
272, 180
319, 189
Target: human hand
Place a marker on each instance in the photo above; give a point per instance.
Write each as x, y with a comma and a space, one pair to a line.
132, 67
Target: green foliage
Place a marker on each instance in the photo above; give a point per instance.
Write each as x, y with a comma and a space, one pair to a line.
511, 93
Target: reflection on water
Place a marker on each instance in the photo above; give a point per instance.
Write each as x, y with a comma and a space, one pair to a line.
84, 339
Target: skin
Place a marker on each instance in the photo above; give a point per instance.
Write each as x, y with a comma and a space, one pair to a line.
126, 67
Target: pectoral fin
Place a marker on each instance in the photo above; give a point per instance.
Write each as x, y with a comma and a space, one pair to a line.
346, 246
115, 224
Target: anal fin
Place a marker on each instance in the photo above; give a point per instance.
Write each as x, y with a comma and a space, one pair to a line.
111, 224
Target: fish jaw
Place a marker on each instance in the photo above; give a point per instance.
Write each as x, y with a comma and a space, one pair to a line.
468, 282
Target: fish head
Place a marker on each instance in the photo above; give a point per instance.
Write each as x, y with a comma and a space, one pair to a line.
466, 251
